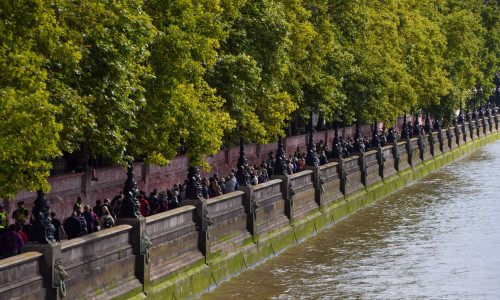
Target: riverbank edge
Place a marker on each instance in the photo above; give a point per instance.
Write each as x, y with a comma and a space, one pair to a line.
204, 277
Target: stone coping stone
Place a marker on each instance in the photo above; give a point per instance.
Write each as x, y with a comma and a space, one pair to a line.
169, 213
267, 184
95, 236
18, 259
300, 174
225, 196
329, 165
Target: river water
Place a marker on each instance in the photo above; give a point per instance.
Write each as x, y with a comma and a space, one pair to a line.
438, 238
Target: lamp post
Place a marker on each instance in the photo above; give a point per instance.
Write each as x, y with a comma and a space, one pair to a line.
458, 120
358, 143
474, 112
480, 93
242, 176
375, 136
467, 105
336, 152
497, 98
130, 208
495, 102
427, 126
493, 96
405, 133
461, 114
416, 126
280, 165
311, 158
488, 114
43, 230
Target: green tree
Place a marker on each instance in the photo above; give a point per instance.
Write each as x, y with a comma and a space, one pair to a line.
30, 131
376, 82
464, 35
180, 108
424, 45
311, 81
100, 109
250, 69
490, 54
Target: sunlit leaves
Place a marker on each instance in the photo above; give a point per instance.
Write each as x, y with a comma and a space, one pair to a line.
29, 133
149, 78
181, 110
250, 70
112, 37
423, 44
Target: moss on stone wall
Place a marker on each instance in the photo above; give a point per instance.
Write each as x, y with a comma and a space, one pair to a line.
200, 278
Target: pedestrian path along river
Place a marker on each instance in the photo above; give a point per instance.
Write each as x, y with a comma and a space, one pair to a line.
438, 238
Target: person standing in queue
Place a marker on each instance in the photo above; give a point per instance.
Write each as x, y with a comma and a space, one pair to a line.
20, 215
57, 225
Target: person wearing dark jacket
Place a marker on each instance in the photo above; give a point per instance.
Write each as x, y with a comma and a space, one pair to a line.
57, 225
97, 208
153, 202
73, 227
163, 203
89, 219
83, 223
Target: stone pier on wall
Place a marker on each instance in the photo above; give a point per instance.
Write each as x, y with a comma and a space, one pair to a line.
351, 176
401, 156
370, 164
387, 162
185, 251
330, 185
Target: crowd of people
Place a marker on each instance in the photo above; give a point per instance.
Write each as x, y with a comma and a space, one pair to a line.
86, 219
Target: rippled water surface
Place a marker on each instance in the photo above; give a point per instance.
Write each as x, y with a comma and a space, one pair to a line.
436, 239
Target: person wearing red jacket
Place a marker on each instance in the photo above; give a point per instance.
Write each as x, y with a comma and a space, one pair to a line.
145, 210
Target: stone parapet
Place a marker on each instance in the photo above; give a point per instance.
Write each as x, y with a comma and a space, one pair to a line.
435, 140
100, 265
403, 158
426, 145
370, 165
175, 239
275, 205
304, 199
229, 230
414, 152
351, 176
185, 251
388, 162
330, 186
21, 277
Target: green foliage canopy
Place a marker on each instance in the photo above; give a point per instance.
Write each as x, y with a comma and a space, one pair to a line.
123, 78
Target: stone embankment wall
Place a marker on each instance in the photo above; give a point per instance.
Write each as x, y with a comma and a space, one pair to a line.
183, 252
66, 188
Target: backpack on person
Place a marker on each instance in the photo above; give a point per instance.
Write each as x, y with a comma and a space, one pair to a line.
163, 204
173, 203
107, 223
